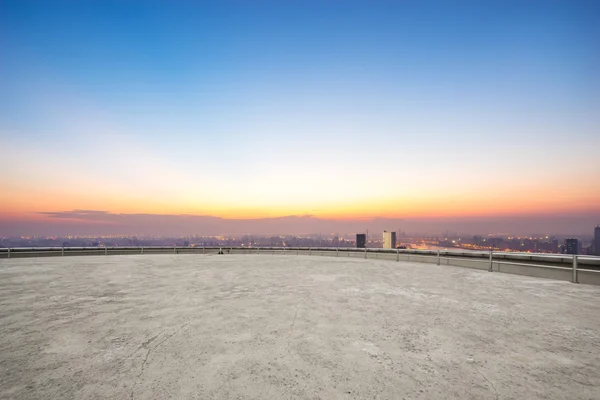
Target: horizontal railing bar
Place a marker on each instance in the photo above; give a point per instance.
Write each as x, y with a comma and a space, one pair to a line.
532, 265
464, 259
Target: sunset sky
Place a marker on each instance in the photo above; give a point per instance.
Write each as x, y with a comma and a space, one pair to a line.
338, 110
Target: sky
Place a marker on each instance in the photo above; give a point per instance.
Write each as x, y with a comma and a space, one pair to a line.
443, 112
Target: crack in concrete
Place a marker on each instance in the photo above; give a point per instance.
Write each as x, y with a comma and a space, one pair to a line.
145, 345
152, 339
171, 335
137, 378
488, 381
292, 327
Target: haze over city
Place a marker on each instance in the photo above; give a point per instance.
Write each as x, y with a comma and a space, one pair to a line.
188, 118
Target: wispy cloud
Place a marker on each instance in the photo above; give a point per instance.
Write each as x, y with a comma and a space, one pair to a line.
77, 214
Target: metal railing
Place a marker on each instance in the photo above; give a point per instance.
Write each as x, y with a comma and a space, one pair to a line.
572, 264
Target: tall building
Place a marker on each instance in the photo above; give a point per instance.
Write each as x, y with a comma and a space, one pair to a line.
571, 246
597, 240
555, 245
361, 240
389, 240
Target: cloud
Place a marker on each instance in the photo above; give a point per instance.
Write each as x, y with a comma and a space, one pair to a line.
76, 214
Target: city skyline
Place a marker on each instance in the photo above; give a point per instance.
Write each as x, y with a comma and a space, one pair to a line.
300, 117
553, 244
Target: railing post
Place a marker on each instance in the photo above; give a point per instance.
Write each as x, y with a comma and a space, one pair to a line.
8, 252
174, 249
203, 250
106, 251
397, 255
365, 252
337, 251
491, 258
62, 251
309, 250
575, 280
142, 250
258, 250
438, 257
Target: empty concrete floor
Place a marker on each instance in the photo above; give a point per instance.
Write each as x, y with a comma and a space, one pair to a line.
277, 327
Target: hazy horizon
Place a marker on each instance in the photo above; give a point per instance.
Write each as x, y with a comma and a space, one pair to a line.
228, 117
89, 222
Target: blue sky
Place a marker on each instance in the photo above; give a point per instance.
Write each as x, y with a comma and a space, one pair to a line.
480, 98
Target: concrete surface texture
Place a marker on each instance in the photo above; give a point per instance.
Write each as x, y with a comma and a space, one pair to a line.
277, 327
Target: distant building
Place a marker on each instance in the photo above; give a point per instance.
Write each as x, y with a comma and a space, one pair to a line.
571, 246
389, 240
495, 242
361, 241
555, 245
597, 240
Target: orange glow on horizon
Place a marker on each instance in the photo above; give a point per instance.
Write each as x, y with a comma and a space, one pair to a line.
451, 207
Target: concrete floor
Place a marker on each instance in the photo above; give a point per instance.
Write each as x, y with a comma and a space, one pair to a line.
277, 327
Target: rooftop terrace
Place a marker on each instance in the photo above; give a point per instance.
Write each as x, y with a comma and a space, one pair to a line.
273, 326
